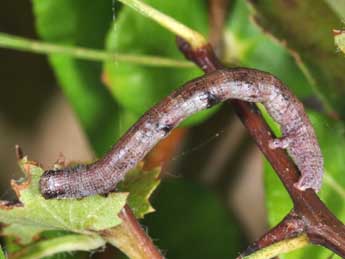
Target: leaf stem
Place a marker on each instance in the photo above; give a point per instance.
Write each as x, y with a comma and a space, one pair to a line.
66, 243
23, 44
130, 238
194, 38
278, 248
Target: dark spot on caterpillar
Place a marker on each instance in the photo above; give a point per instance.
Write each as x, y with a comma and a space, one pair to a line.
121, 166
50, 173
211, 99
166, 128
286, 97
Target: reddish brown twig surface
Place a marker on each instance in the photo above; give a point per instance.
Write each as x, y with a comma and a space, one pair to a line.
143, 240
309, 215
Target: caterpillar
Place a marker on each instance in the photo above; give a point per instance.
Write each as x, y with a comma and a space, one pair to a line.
245, 84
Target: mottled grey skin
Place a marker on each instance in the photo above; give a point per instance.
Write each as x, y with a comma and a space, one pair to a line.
244, 84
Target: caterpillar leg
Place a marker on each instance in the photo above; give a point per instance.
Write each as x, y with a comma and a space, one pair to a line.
283, 142
308, 181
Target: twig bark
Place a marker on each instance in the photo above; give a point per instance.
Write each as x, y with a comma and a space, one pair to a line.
310, 214
280, 247
291, 226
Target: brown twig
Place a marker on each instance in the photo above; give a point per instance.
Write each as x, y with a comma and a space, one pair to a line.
218, 10
309, 214
291, 226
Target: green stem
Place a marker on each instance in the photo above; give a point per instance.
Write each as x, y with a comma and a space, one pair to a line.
2, 256
60, 244
278, 248
19, 43
130, 238
194, 38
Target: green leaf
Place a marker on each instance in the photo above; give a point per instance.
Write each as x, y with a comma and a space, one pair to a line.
190, 222
82, 23
305, 27
34, 214
52, 220
135, 87
2, 256
140, 184
331, 138
50, 248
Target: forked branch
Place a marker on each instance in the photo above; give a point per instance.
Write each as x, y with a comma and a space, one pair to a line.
309, 213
